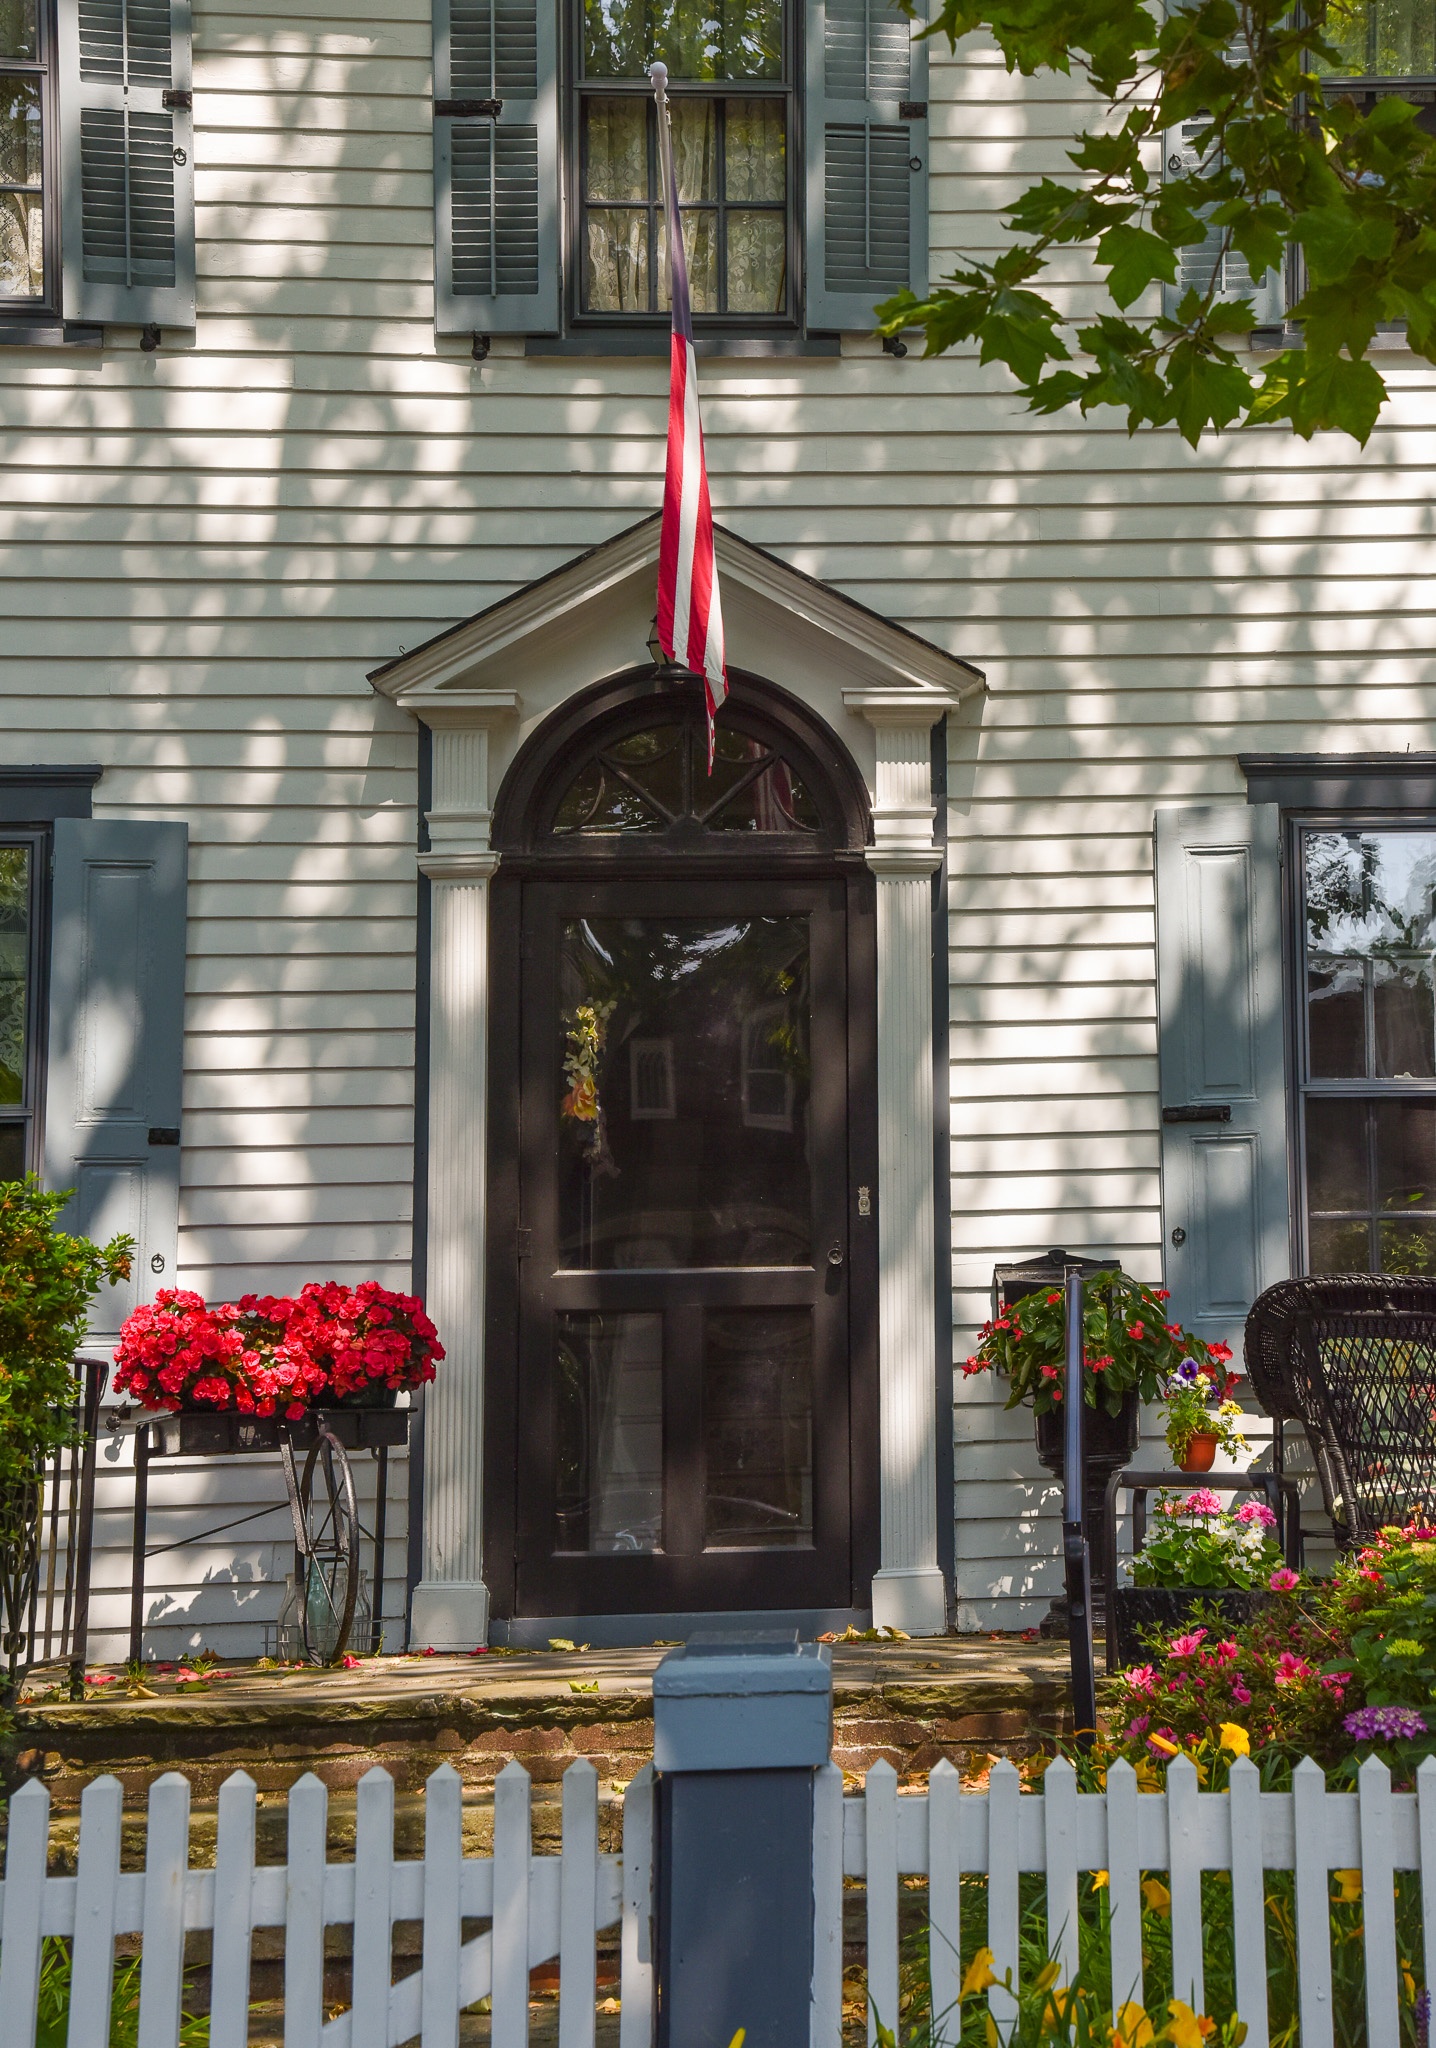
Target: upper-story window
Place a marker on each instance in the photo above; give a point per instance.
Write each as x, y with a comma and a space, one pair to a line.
28, 229
1390, 42
1368, 1048
730, 71
800, 144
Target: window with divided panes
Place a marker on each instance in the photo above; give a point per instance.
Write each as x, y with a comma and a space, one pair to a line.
800, 139
1368, 1047
96, 177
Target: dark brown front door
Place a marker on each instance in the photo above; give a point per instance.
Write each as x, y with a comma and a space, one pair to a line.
683, 1358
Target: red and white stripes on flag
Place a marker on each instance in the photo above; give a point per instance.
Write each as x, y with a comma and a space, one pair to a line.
690, 616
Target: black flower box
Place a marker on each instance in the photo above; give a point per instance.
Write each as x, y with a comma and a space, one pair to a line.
1173, 1609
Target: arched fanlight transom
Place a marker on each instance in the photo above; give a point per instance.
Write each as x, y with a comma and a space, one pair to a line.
656, 782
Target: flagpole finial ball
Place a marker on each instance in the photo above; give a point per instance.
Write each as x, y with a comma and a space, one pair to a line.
658, 74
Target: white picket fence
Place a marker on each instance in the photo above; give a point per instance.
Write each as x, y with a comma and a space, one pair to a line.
1182, 1831
542, 1907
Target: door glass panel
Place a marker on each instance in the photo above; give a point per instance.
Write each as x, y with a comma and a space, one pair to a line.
682, 1084
14, 968
758, 1429
12, 1151
609, 1372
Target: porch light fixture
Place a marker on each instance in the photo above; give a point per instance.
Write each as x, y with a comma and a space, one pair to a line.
655, 651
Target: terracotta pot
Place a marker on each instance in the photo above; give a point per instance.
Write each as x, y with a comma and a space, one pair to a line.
1200, 1452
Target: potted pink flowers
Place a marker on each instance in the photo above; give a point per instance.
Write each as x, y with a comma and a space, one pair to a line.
1197, 1551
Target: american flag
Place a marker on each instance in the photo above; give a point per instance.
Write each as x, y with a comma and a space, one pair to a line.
690, 617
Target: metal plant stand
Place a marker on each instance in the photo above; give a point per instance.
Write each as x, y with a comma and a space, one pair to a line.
319, 1481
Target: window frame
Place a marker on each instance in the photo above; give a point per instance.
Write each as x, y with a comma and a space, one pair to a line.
29, 1111
1298, 824
14, 310
574, 88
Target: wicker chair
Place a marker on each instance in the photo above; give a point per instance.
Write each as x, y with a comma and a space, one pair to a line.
1352, 1357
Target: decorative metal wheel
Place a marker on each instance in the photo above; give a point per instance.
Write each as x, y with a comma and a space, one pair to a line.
326, 1536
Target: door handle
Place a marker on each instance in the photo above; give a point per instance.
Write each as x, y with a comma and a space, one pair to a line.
835, 1253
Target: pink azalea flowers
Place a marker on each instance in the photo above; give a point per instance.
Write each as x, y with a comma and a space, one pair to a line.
1284, 1580
1187, 1645
1292, 1670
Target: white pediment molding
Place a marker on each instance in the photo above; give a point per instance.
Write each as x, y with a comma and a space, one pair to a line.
880, 662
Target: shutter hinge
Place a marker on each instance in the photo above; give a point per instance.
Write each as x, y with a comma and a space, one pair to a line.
149, 337
178, 102
912, 110
524, 1243
470, 110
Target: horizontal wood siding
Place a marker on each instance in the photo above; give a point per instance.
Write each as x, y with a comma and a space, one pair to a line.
207, 547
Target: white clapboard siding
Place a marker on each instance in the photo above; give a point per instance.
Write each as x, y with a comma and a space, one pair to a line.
540, 1907
207, 548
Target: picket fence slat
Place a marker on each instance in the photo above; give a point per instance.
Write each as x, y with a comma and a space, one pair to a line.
22, 1913
944, 1895
96, 1891
1059, 1847
373, 1911
1248, 1899
1378, 1905
233, 1897
304, 1913
1004, 1793
1184, 1882
1426, 1805
543, 1907
825, 2023
162, 1936
635, 1989
1310, 1823
880, 1831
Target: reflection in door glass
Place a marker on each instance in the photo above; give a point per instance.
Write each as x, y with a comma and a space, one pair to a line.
610, 1433
682, 1084
14, 963
1370, 937
758, 1429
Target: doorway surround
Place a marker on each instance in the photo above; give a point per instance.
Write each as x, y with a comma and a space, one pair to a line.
481, 688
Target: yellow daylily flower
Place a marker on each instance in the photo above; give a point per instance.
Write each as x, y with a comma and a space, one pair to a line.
992, 2037
1236, 1739
1349, 1886
1100, 1880
739, 2038
1167, 1748
1047, 1975
1132, 2029
1185, 2028
1157, 1895
979, 1975
1410, 1983
1146, 1772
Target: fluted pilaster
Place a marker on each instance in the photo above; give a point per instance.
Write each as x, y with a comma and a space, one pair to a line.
908, 1589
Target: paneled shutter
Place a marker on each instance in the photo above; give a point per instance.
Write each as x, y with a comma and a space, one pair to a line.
1225, 1197
866, 139
112, 1097
496, 169
1199, 260
127, 161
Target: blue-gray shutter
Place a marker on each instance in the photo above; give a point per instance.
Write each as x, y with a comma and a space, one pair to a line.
1225, 1188
866, 141
496, 167
126, 162
112, 1092
1199, 260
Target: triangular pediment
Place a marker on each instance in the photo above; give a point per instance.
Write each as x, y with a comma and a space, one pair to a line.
591, 618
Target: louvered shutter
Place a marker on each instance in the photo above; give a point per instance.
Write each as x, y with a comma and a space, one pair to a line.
114, 1069
127, 161
496, 192
1197, 262
866, 143
1225, 1195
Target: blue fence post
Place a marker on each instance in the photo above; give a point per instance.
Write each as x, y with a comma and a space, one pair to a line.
741, 1721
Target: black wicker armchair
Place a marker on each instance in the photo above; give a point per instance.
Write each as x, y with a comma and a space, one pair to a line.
1352, 1357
